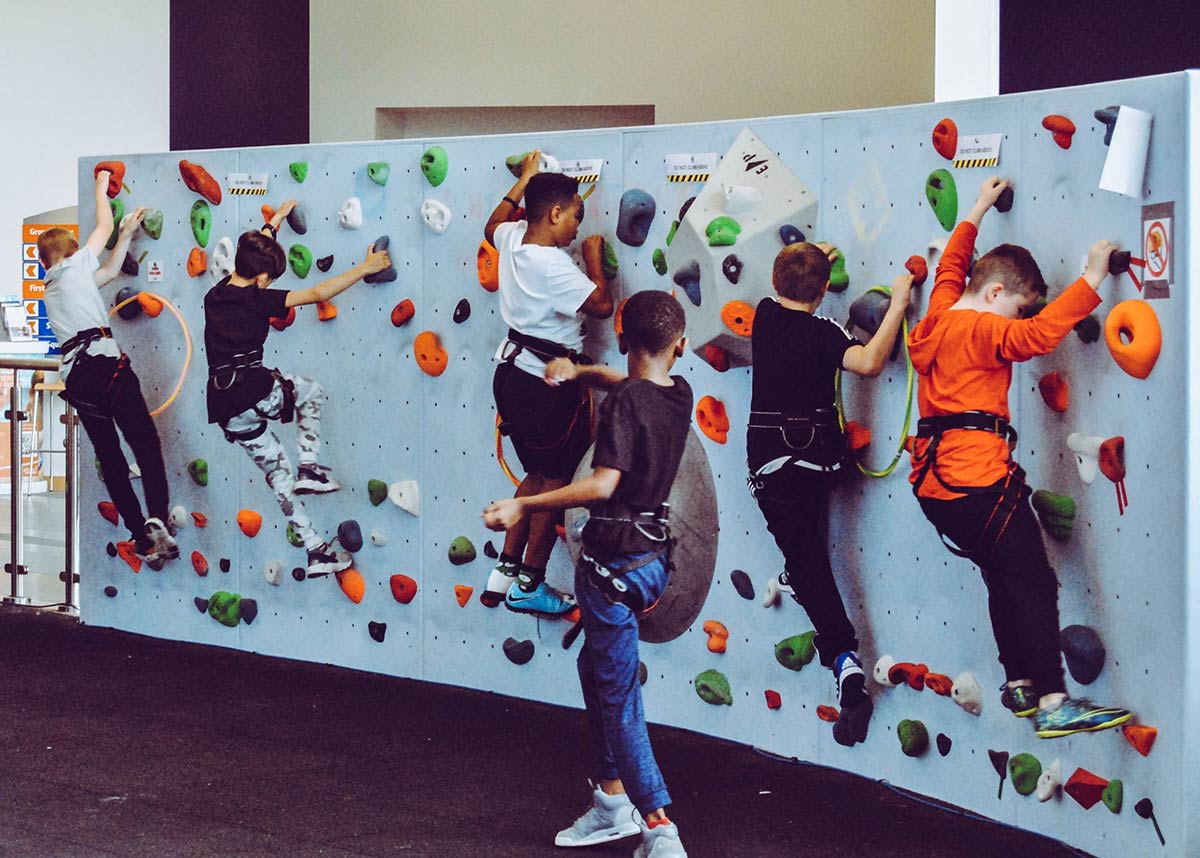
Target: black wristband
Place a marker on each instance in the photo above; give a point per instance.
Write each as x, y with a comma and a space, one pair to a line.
512, 202
274, 231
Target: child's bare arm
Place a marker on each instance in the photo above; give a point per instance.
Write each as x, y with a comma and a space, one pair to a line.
512, 200
599, 305
870, 359
503, 514
112, 266
988, 194
104, 218
280, 216
376, 261
592, 375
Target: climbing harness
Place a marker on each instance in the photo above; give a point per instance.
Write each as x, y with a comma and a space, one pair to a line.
819, 428
224, 377
187, 338
654, 526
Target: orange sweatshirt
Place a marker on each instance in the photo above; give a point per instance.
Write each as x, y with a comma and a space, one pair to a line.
964, 359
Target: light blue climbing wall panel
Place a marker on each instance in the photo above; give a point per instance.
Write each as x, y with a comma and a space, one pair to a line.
1124, 575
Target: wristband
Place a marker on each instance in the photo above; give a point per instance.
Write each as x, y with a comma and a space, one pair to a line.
512, 202
274, 230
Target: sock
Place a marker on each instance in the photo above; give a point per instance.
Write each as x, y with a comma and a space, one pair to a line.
509, 563
657, 822
529, 577
851, 681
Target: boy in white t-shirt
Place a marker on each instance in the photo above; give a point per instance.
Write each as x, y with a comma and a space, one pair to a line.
542, 293
99, 381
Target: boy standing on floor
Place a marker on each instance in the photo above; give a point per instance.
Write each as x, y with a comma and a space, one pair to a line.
795, 451
244, 396
964, 475
99, 380
542, 294
625, 566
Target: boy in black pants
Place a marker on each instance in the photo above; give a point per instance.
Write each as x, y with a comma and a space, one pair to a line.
624, 567
795, 451
99, 380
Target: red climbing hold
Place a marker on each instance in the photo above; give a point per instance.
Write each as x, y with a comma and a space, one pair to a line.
200, 519
774, 701
1112, 458
488, 262
283, 323
197, 262
199, 563
716, 357
108, 510
268, 212
827, 714
713, 421
404, 589
117, 169
463, 592
1061, 127
918, 268
1085, 787
945, 138
403, 312
912, 674
127, 551
1141, 736
858, 436
939, 683
1055, 391
198, 179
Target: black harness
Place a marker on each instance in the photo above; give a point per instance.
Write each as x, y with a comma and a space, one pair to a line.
819, 428
1010, 493
653, 525
75, 351
225, 376
545, 350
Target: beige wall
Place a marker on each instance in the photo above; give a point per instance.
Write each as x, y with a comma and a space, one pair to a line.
692, 61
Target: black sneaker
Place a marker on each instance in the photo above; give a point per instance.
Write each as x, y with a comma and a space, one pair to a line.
1020, 700
315, 480
323, 560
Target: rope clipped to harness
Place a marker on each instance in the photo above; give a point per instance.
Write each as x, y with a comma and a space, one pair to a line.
908, 399
187, 338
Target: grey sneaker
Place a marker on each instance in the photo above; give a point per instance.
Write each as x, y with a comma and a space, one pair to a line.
661, 841
323, 560
314, 480
165, 545
610, 817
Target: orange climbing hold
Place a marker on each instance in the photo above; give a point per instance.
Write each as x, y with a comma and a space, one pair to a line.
1141, 736
150, 305
282, 323
939, 683
403, 312
1134, 337
717, 357
945, 138
352, 584
718, 635
404, 589
463, 592
1060, 127
249, 521
907, 672
268, 212
1056, 393
488, 262
108, 510
714, 422
1112, 458
199, 563
199, 180
127, 551
430, 355
572, 616
827, 714
1085, 787
197, 262
117, 168
774, 701
617, 317
858, 436
918, 268
200, 519
326, 311
738, 316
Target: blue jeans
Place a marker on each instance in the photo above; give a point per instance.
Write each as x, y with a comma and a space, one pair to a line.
612, 695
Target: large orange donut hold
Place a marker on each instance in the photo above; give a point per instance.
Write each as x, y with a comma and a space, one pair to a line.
1133, 336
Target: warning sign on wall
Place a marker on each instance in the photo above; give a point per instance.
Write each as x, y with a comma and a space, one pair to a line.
1158, 246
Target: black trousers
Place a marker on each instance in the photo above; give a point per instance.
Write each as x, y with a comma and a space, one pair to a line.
795, 504
1022, 587
106, 399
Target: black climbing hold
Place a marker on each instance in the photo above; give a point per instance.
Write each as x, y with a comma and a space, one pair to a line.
111, 550
376, 631
1145, 809
325, 262
388, 274
297, 221
489, 551
129, 265
643, 673
867, 313
687, 278
225, 564
1088, 329
462, 311
1118, 261
943, 744
349, 534
789, 234
742, 583
731, 267
635, 217
1004, 202
248, 609
518, 652
131, 310
298, 572
683, 209
110, 591
1000, 764
1083, 652
201, 604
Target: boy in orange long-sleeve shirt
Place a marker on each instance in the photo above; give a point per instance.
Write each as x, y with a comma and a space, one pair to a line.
969, 486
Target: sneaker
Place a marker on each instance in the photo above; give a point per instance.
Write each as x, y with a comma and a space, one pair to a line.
775, 588
499, 582
165, 545
1021, 700
856, 706
144, 549
1077, 715
661, 841
543, 599
315, 480
323, 560
610, 817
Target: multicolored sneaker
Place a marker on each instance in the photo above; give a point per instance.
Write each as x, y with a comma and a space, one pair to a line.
165, 545
144, 548
610, 817
315, 480
661, 841
543, 600
1078, 715
323, 560
499, 582
1020, 700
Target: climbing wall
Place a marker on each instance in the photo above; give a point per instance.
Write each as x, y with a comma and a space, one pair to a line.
1124, 575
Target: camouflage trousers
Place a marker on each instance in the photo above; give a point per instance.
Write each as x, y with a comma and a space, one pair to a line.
266, 451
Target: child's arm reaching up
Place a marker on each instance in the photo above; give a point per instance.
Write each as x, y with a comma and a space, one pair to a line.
112, 266
869, 360
951, 277
512, 200
104, 217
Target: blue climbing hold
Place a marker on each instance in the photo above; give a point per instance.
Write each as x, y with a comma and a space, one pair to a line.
635, 217
687, 278
789, 234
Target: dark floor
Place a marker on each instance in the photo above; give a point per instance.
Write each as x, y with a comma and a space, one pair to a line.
116, 744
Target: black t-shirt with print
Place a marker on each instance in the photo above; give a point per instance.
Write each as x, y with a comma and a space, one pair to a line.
641, 432
796, 356
237, 320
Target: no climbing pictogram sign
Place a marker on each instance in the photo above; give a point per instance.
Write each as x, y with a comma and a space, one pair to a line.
1158, 245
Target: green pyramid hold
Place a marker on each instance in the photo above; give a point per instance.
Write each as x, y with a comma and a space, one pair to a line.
198, 470
796, 651
377, 491
461, 551
299, 170
1024, 771
1113, 795
152, 223
378, 171
713, 688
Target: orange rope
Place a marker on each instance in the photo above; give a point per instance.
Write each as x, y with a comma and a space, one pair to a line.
187, 338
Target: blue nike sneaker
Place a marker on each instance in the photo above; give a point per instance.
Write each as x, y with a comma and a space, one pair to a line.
543, 600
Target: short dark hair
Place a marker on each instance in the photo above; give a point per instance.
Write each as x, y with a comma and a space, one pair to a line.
258, 253
1013, 267
547, 190
652, 320
801, 272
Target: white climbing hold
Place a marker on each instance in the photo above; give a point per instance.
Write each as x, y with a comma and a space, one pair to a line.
967, 693
1087, 454
350, 215
273, 572
220, 264
378, 537
178, 518
437, 215
548, 164
405, 495
739, 198
881, 670
1049, 781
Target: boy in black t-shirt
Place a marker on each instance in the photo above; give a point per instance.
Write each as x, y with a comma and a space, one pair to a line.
640, 436
243, 395
795, 449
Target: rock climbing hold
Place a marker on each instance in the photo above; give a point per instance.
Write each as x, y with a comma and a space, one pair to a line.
177, 518
298, 573
839, 277
774, 701
325, 262
131, 310
437, 215
914, 738
1108, 118
546, 164
404, 588
1004, 202
731, 267
1000, 764
388, 274
713, 687
1119, 261
1085, 787
1113, 795
197, 262
268, 212
403, 312
1050, 781
635, 216
1134, 336
201, 218
118, 213
489, 551
198, 179
967, 693
127, 551
293, 537
796, 651
671, 232
376, 491
738, 316
461, 551
150, 305
116, 169
435, 164
200, 519
918, 268
688, 279
349, 534
1141, 736
352, 584
858, 436
282, 324
462, 593
659, 260
1056, 514
198, 470
1145, 809
223, 607
220, 264
201, 604
942, 194
406, 495
377, 631
739, 198
300, 259
518, 652
943, 744
110, 591
718, 636
883, 667
248, 609
609, 262
1061, 128
378, 171
108, 511
712, 419
462, 311
868, 310
939, 684
224, 564
742, 584
913, 675
299, 170
1088, 329
716, 357
1087, 454
431, 357
297, 220
790, 234
152, 223
1112, 458
111, 550
129, 265
722, 231
273, 572
487, 261
828, 714
199, 563
350, 214
1024, 770
1056, 393
1083, 652
249, 521
378, 537
945, 139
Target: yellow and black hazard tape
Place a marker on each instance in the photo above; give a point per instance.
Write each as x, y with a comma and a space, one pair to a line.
249, 192
966, 163
688, 177
587, 179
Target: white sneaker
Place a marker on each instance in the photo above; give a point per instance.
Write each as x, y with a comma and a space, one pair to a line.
662, 841
610, 817
498, 584
165, 545
314, 480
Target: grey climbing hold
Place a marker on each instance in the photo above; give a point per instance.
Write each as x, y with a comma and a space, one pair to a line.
1108, 117
248, 609
687, 278
1088, 329
201, 604
350, 536
376, 630
789, 234
635, 216
742, 583
731, 267
1083, 651
518, 652
325, 262
462, 311
299, 573
388, 274
297, 221
131, 310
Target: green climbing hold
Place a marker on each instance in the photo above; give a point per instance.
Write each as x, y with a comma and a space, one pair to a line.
1088, 329
610, 263
514, 163
293, 538
839, 278
461, 551
713, 687
942, 194
1024, 771
1056, 513
671, 232
914, 738
201, 222
152, 223
299, 170
435, 164
796, 651
301, 259
722, 231
659, 259
377, 491
225, 608
198, 470
1113, 795
378, 171
118, 212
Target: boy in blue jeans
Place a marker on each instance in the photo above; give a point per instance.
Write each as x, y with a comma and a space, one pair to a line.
624, 568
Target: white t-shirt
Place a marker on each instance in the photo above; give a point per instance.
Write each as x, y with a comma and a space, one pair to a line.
541, 291
74, 304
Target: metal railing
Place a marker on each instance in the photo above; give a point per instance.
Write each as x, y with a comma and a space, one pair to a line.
15, 416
